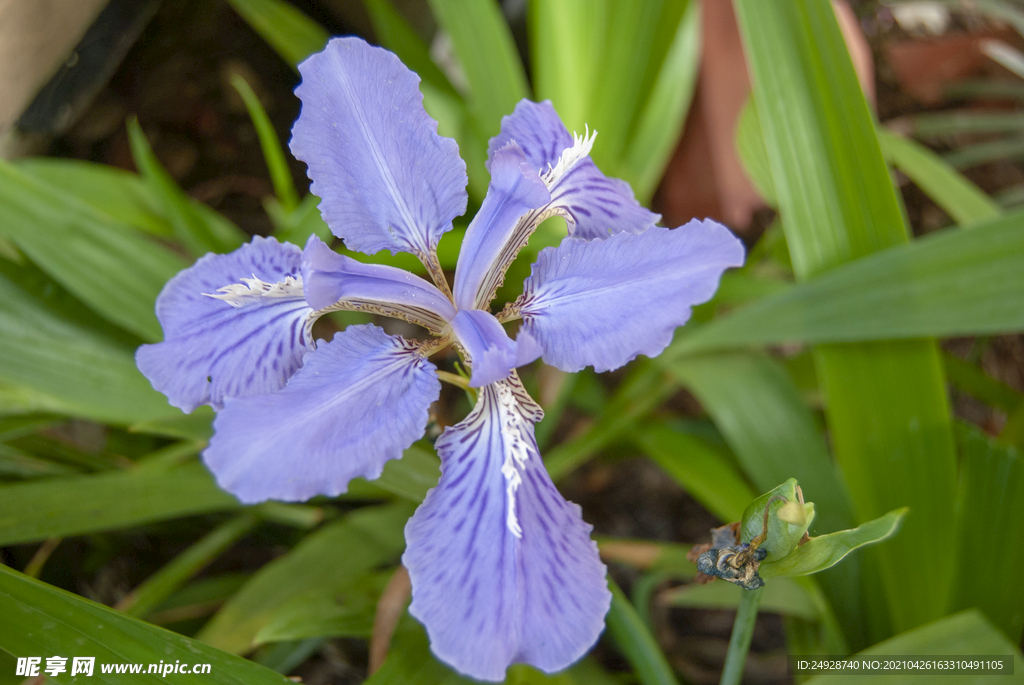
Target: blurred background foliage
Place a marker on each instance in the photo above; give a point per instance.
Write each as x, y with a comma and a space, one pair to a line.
870, 347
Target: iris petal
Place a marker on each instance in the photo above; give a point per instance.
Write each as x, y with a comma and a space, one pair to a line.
595, 205
218, 346
601, 303
358, 401
496, 235
491, 352
387, 180
487, 596
334, 281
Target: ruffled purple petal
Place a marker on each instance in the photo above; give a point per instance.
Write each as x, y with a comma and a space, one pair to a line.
496, 235
594, 205
230, 346
387, 180
358, 401
335, 281
503, 569
601, 303
491, 352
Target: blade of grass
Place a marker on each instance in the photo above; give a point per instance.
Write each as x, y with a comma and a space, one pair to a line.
273, 153
945, 284
292, 34
488, 56
636, 642
990, 512
956, 195
838, 204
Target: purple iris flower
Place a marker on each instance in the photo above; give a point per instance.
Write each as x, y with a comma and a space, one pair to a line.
503, 568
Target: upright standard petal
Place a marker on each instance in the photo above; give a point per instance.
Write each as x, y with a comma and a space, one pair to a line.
497, 233
387, 180
491, 352
234, 325
334, 281
503, 569
359, 401
601, 303
594, 205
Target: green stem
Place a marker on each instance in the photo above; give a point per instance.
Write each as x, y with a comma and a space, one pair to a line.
742, 631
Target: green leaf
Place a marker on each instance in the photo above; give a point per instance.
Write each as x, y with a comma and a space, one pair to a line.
411, 476
296, 227
989, 520
950, 190
953, 122
764, 419
195, 426
41, 620
175, 573
200, 229
321, 564
115, 192
106, 264
273, 154
781, 596
659, 123
706, 474
348, 610
635, 642
970, 379
50, 363
946, 284
963, 634
395, 34
750, 147
837, 204
292, 34
824, 551
488, 56
75, 505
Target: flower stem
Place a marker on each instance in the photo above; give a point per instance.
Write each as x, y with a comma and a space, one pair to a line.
742, 631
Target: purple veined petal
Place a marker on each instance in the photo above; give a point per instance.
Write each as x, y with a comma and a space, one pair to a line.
333, 281
496, 234
491, 352
357, 402
387, 180
234, 325
594, 205
601, 303
503, 569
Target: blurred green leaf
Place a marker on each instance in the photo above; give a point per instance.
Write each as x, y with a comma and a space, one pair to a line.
952, 122
824, 551
273, 154
781, 596
115, 192
838, 204
195, 426
175, 573
488, 56
970, 379
947, 283
658, 124
990, 521
199, 228
750, 147
950, 190
348, 610
968, 156
104, 263
411, 476
292, 34
320, 565
296, 227
704, 472
40, 619
966, 633
76, 505
69, 368
15, 463
635, 642
395, 34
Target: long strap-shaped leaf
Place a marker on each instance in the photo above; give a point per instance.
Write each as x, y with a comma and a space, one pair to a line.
887, 407
947, 284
